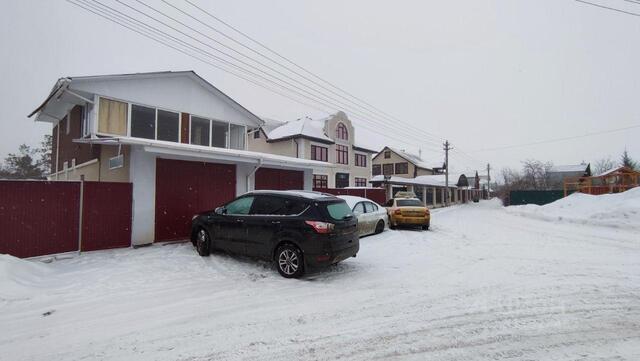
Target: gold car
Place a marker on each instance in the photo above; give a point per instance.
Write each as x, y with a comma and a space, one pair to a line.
408, 212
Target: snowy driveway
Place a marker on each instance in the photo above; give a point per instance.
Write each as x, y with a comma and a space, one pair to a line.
483, 284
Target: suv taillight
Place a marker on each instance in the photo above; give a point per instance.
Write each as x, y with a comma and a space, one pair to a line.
397, 212
321, 227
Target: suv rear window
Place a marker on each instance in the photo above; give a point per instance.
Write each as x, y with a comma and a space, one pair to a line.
409, 203
338, 210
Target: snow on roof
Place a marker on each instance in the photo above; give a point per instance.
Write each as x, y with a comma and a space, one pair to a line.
436, 180
569, 168
313, 128
62, 85
202, 151
416, 160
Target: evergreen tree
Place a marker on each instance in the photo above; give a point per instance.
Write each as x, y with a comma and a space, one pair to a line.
626, 161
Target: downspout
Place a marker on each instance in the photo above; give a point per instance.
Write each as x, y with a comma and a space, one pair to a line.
297, 147
255, 169
57, 148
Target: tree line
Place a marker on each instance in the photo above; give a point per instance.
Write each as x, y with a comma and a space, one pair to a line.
534, 174
28, 162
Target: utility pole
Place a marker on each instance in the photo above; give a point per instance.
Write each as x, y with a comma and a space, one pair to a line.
488, 181
447, 147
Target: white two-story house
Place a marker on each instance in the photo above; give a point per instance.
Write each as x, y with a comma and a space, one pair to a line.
330, 140
179, 140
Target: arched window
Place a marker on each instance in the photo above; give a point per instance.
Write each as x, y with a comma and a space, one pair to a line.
341, 132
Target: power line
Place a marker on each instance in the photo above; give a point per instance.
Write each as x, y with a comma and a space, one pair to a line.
296, 65
555, 140
609, 8
210, 55
118, 21
325, 98
162, 40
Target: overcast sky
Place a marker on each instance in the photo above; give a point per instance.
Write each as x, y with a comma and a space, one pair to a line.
483, 74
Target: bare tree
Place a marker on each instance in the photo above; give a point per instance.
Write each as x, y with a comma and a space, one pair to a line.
603, 165
536, 174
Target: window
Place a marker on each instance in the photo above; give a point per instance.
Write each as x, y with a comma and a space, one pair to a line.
376, 169
269, 205
387, 169
68, 123
359, 208
143, 122
342, 154
402, 168
341, 132
236, 136
409, 203
342, 180
168, 126
240, 206
200, 131
319, 153
361, 182
361, 160
338, 210
85, 120
256, 134
320, 181
112, 117
387, 154
219, 136
370, 207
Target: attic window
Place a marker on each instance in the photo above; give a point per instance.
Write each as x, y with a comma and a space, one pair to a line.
341, 132
387, 154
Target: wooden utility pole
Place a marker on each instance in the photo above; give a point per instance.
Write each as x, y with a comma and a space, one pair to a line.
447, 147
488, 181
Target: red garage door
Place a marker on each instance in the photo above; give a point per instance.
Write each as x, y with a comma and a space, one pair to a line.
279, 179
186, 188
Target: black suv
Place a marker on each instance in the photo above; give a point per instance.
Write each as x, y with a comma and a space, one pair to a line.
299, 230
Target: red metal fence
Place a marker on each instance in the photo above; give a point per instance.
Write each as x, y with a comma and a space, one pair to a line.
377, 195
39, 218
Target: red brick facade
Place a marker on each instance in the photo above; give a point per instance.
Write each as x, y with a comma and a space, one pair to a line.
65, 148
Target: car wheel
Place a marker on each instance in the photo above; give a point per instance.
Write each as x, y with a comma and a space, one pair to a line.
203, 243
392, 226
425, 228
289, 261
379, 227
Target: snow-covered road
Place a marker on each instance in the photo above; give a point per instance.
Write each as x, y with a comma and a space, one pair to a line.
483, 284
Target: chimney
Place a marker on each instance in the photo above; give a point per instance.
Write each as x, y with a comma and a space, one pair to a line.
420, 153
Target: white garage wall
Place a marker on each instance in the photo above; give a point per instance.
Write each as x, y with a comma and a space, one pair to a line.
143, 176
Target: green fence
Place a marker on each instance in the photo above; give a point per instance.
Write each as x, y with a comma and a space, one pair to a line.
534, 197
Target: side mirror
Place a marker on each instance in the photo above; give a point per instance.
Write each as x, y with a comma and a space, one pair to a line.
220, 211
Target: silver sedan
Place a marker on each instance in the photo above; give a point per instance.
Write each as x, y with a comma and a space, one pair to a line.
372, 218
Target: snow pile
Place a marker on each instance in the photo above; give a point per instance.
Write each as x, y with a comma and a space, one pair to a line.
612, 210
19, 278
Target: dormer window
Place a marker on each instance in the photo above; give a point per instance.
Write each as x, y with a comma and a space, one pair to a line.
341, 132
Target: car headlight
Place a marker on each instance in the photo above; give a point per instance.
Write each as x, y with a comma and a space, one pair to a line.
194, 217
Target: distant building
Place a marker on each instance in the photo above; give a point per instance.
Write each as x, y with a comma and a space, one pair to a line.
331, 140
557, 174
399, 163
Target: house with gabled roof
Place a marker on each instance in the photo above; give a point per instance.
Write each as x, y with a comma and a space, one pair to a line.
557, 174
331, 140
180, 141
400, 163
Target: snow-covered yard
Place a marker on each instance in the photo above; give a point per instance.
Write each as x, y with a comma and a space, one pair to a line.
484, 283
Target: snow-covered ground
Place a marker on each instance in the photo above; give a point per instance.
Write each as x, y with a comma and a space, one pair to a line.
484, 284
